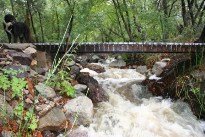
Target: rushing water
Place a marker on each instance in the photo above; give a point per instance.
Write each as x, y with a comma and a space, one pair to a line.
144, 115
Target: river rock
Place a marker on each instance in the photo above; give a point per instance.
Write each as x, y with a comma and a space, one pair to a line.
53, 120
5, 107
95, 92
95, 58
74, 71
80, 88
30, 51
45, 90
77, 133
21, 71
142, 69
22, 58
95, 67
158, 67
118, 63
134, 92
80, 107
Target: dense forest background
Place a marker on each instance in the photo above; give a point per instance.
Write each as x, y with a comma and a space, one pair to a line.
108, 20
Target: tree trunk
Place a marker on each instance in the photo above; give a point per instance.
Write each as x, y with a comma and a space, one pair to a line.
12, 7
41, 26
184, 16
31, 18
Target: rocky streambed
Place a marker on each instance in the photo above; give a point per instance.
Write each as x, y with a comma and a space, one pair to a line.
110, 99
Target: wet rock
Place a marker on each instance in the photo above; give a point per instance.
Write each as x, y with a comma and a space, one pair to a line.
77, 133
118, 63
158, 68
80, 107
18, 71
80, 88
142, 69
90, 72
95, 92
22, 58
74, 71
134, 92
166, 84
95, 67
95, 58
47, 133
53, 120
4, 106
45, 90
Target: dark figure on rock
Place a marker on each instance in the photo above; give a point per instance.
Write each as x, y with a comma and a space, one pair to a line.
15, 29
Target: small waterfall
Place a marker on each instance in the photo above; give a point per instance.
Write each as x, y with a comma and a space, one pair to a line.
141, 116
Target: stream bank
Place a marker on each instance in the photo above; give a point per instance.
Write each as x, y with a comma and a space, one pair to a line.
117, 103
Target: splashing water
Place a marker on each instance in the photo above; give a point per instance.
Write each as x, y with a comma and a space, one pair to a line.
153, 117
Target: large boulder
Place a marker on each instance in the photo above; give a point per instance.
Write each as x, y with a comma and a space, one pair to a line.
54, 120
81, 109
22, 58
95, 91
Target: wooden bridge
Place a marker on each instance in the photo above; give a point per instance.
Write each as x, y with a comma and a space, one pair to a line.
124, 47
121, 47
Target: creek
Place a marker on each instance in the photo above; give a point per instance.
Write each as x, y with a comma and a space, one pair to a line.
133, 112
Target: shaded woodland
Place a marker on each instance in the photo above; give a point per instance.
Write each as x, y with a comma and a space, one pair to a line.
108, 20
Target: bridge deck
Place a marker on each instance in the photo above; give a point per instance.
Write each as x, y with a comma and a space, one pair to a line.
130, 47
123, 47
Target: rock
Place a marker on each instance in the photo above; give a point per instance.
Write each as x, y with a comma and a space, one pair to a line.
118, 63
30, 50
80, 88
95, 58
158, 68
95, 67
18, 46
134, 92
47, 133
74, 71
77, 133
21, 71
22, 58
7, 133
142, 69
95, 92
90, 72
44, 108
81, 107
28, 100
53, 120
5, 107
45, 90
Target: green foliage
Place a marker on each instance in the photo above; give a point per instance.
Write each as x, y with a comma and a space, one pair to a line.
4, 82
192, 94
31, 119
27, 120
61, 82
15, 84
